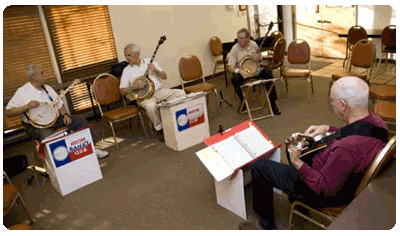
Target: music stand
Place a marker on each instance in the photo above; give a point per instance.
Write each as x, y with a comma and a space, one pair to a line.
246, 88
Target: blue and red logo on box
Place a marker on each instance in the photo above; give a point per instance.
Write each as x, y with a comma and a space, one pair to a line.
70, 149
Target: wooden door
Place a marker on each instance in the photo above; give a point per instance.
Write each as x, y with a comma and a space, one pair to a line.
320, 25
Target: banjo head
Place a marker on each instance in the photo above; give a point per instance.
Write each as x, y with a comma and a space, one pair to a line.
250, 65
145, 90
43, 116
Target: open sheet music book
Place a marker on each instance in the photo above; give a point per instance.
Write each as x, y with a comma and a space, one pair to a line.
233, 149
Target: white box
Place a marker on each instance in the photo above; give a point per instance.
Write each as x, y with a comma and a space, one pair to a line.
72, 162
185, 121
230, 192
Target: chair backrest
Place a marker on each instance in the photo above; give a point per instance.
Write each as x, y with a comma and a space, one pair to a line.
389, 36
376, 165
355, 34
190, 68
106, 89
276, 35
299, 52
363, 54
216, 46
279, 51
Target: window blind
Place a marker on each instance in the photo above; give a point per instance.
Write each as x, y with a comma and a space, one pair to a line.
23, 43
84, 45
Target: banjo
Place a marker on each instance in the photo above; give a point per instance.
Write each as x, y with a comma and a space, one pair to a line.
308, 144
143, 85
45, 115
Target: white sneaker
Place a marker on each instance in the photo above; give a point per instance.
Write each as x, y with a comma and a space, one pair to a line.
100, 153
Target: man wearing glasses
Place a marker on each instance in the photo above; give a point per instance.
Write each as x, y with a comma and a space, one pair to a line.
335, 173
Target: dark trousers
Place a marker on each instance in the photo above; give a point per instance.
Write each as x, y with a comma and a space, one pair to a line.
238, 80
266, 175
77, 123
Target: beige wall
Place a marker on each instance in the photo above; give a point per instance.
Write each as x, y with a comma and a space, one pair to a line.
187, 28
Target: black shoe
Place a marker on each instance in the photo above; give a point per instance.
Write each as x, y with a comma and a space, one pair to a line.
276, 111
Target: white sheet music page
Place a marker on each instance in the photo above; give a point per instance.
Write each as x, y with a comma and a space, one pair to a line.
233, 152
215, 163
255, 141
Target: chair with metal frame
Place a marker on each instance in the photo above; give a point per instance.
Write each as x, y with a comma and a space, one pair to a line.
106, 90
331, 213
299, 53
10, 197
362, 57
190, 70
355, 34
276, 62
270, 50
216, 52
388, 43
387, 111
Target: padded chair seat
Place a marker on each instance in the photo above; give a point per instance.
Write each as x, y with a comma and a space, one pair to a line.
339, 75
382, 91
9, 194
296, 73
120, 112
386, 110
268, 63
206, 87
20, 227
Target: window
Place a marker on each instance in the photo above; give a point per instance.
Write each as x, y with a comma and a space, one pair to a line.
23, 43
84, 45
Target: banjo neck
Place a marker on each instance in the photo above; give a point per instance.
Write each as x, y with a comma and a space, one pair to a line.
162, 39
63, 92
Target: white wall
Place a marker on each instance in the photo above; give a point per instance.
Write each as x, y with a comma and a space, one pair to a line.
376, 17
187, 28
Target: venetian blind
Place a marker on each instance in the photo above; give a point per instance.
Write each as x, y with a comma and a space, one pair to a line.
84, 45
23, 43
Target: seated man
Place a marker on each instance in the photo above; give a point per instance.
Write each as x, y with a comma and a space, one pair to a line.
335, 173
137, 67
246, 47
34, 92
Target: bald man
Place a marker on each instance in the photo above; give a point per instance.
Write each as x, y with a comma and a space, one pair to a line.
335, 173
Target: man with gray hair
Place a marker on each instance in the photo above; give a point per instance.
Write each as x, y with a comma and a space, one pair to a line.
333, 175
34, 92
137, 67
246, 47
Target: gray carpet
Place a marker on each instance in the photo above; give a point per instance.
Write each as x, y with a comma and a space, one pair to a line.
149, 186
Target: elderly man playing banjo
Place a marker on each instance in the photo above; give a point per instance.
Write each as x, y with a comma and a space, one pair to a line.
246, 47
137, 68
33, 95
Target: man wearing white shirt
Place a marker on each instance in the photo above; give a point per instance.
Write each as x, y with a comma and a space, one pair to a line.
137, 67
34, 92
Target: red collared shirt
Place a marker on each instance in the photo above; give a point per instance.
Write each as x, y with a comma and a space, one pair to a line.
339, 168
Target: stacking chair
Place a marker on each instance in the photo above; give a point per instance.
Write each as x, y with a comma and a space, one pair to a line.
388, 44
270, 50
191, 70
362, 57
299, 54
10, 197
216, 52
330, 213
106, 90
382, 92
355, 34
387, 111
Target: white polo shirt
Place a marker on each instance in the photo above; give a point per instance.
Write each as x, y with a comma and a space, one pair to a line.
131, 72
27, 93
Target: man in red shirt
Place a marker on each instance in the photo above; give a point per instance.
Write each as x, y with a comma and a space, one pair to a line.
335, 172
